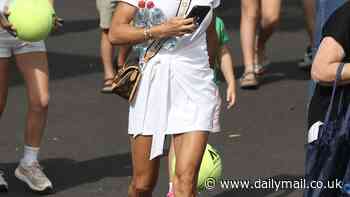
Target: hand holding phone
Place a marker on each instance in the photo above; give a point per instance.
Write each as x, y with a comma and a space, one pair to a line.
199, 13
179, 26
176, 26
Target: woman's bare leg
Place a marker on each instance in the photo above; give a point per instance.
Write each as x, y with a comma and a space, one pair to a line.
107, 53
189, 149
270, 16
34, 68
310, 17
249, 20
171, 156
4, 77
145, 171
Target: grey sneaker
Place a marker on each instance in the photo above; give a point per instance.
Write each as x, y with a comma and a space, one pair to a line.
34, 177
3, 183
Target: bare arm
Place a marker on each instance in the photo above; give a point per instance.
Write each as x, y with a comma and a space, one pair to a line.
212, 42
122, 32
228, 72
227, 65
327, 60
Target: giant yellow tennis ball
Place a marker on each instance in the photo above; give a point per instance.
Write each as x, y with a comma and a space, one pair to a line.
32, 19
211, 167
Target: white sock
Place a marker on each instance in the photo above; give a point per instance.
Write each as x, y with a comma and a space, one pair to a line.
30, 155
170, 187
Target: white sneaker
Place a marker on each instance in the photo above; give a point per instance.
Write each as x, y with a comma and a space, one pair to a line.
34, 177
3, 183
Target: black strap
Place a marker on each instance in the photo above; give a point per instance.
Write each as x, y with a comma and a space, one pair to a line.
337, 79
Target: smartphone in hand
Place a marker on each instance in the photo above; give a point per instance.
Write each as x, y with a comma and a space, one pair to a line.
199, 13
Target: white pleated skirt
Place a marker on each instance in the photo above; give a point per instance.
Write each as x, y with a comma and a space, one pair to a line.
176, 95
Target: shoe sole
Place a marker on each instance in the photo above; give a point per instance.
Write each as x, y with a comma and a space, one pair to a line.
46, 190
106, 92
249, 87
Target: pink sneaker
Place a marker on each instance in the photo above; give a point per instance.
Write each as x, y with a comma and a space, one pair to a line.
170, 194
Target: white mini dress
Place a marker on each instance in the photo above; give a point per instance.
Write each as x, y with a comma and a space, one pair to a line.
176, 93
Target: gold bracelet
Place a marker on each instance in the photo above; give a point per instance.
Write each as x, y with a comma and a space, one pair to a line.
147, 33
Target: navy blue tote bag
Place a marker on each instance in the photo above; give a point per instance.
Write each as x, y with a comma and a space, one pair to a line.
327, 157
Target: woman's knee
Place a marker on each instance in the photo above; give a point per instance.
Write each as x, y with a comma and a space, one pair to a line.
143, 183
185, 181
250, 12
270, 22
39, 104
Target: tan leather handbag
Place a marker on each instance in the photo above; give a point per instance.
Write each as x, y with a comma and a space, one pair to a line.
126, 81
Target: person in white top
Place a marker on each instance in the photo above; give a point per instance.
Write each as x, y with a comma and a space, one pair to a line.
176, 95
31, 60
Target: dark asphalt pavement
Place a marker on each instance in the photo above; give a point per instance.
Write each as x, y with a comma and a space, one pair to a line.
86, 150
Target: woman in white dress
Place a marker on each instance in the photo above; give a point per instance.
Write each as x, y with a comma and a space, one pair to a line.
176, 95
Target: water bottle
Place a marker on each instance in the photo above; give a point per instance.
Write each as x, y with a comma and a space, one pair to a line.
140, 21
156, 18
140, 17
155, 14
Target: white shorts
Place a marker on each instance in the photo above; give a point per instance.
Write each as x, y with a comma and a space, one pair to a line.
106, 9
12, 46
